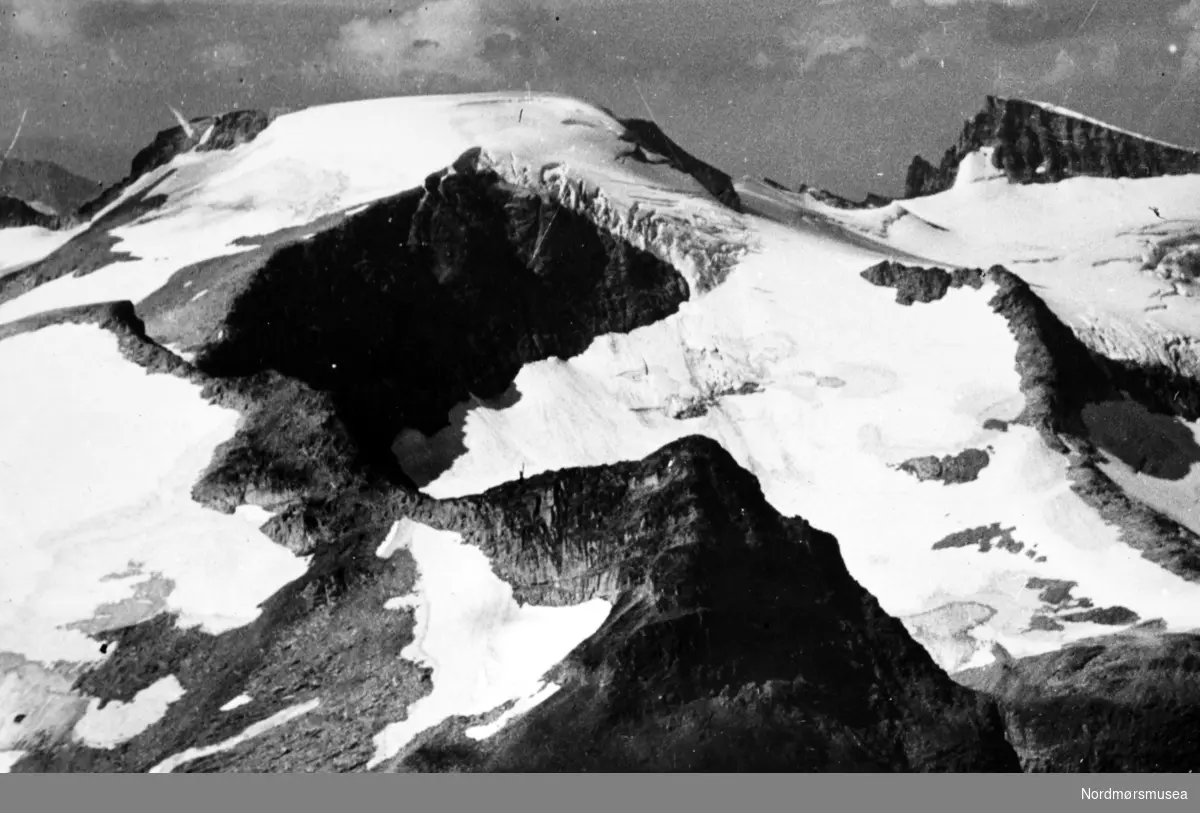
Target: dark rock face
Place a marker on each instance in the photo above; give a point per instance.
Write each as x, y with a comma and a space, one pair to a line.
871, 201
738, 640
916, 284
15, 213
985, 538
1027, 136
963, 467
228, 131
435, 296
1127, 703
649, 136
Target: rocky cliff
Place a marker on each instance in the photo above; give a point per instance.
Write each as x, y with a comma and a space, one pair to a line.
1038, 143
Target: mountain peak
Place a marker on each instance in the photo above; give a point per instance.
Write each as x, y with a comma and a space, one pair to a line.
1037, 142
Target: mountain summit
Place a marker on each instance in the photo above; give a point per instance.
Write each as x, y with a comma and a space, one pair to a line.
495, 432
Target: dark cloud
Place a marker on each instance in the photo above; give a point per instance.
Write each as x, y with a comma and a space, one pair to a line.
102, 20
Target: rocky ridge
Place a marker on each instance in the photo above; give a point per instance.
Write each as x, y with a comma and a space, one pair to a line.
1036, 143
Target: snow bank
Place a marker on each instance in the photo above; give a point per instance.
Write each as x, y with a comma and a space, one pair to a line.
117, 722
484, 648
98, 463
237, 702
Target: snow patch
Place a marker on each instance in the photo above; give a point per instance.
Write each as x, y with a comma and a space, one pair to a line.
257, 730
98, 461
484, 648
255, 515
237, 702
118, 722
24, 245
8, 759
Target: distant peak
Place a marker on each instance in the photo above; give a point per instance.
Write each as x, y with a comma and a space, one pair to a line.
1038, 142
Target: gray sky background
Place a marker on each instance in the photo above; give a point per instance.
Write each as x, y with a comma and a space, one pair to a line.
836, 93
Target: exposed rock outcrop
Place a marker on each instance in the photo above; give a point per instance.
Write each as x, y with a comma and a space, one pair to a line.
737, 641
15, 213
1126, 703
649, 136
1038, 143
871, 201
963, 467
434, 297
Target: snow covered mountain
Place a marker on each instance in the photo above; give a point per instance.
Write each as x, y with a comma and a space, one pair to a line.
493, 432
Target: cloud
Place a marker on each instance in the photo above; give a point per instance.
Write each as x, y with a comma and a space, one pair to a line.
52, 22
1105, 63
1064, 69
1189, 15
47, 22
445, 41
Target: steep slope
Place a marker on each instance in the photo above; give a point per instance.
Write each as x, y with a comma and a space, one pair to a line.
1113, 704
152, 665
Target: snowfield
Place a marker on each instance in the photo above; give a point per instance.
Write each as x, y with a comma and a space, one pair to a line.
850, 384
27, 244
97, 461
336, 158
484, 648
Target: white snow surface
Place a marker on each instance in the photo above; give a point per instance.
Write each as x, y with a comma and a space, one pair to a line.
257, 730
8, 759
333, 158
484, 648
27, 244
97, 461
117, 722
237, 702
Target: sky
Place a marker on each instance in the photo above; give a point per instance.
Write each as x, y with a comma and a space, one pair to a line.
834, 93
